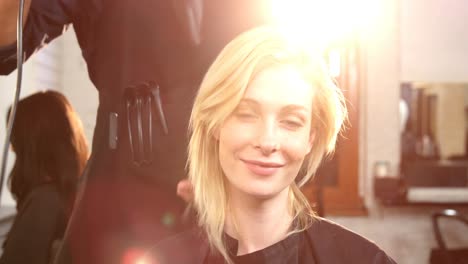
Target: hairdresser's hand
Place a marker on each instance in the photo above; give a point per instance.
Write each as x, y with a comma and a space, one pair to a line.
8, 20
185, 190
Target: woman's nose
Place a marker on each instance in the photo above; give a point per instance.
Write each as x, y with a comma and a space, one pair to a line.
268, 141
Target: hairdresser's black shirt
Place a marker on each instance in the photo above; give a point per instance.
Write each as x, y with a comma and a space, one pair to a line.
126, 43
323, 243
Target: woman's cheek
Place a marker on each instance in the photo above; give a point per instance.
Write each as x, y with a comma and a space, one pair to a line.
295, 148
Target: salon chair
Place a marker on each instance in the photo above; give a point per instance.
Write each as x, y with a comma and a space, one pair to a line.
442, 254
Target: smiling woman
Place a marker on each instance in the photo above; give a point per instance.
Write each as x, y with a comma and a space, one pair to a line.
266, 114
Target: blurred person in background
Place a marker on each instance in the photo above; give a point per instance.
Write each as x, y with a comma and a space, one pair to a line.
51, 153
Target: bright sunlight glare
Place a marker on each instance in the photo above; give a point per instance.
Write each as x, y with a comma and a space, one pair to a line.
321, 22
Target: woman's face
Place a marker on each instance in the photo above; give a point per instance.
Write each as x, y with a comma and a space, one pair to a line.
262, 144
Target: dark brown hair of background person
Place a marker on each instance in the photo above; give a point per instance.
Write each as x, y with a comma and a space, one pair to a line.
49, 144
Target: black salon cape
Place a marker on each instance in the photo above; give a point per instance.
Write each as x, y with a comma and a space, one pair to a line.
126, 43
324, 242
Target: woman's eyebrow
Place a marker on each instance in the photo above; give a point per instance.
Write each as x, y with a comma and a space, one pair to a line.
294, 107
248, 101
285, 109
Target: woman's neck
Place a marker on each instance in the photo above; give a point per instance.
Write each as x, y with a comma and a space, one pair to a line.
257, 223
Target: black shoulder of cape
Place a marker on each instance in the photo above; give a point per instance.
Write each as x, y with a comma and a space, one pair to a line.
187, 247
330, 243
333, 243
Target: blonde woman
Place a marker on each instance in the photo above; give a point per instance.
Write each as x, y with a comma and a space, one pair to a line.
266, 114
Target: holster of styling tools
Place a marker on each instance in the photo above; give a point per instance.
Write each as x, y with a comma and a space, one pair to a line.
143, 105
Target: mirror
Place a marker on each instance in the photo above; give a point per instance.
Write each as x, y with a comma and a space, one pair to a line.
434, 130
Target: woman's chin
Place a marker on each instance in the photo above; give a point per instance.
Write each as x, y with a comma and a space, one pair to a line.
262, 194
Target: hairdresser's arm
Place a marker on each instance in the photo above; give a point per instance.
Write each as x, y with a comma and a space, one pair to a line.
43, 21
8, 20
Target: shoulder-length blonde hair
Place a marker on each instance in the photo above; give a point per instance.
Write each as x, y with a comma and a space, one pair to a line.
221, 91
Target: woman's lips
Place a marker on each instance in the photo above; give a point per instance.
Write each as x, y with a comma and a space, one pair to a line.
262, 168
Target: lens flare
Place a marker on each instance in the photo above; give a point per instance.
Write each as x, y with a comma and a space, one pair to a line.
323, 22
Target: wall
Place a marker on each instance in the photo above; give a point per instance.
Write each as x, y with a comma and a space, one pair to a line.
78, 88
380, 95
434, 40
